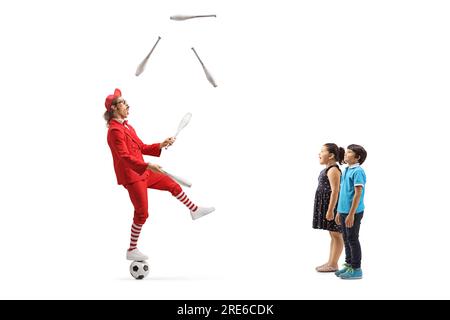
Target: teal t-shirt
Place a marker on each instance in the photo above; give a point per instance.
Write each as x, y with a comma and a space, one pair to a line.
351, 177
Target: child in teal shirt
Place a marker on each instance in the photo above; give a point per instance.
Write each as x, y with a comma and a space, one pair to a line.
350, 210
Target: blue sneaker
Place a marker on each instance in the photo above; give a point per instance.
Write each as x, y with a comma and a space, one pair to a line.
352, 274
343, 270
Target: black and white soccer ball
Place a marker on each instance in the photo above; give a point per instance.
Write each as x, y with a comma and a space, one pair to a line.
139, 269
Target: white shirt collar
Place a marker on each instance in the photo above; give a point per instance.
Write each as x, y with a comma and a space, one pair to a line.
354, 166
121, 121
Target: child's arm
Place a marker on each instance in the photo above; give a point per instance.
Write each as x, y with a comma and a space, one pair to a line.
351, 215
334, 176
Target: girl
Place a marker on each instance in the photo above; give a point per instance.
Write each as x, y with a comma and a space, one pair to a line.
325, 202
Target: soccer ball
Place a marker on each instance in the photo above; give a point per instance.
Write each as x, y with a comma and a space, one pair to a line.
139, 269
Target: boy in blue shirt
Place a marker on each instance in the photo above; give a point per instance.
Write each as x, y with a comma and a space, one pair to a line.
350, 210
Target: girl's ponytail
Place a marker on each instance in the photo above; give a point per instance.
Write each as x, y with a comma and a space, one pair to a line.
340, 157
337, 151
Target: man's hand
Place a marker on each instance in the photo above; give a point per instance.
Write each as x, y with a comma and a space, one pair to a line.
154, 167
167, 143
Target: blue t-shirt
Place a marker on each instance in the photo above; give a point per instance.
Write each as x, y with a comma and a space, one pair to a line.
351, 177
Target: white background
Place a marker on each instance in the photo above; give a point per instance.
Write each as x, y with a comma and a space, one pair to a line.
292, 76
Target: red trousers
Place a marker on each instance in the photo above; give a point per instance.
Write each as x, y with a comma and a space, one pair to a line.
139, 197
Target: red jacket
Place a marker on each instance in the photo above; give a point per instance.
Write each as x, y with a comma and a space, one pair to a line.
127, 150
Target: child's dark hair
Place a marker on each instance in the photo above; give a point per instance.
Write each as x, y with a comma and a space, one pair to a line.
359, 151
337, 151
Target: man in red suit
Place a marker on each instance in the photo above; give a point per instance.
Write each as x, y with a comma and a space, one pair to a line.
134, 173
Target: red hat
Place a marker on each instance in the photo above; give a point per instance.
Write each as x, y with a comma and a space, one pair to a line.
109, 99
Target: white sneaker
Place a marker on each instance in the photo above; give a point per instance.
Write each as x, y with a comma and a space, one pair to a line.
136, 255
201, 211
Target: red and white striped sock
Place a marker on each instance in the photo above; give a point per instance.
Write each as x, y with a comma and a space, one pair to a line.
135, 232
188, 203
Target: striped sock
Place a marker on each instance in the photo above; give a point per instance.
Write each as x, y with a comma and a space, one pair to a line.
135, 232
188, 203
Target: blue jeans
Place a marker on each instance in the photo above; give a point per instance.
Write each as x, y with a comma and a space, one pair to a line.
351, 240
